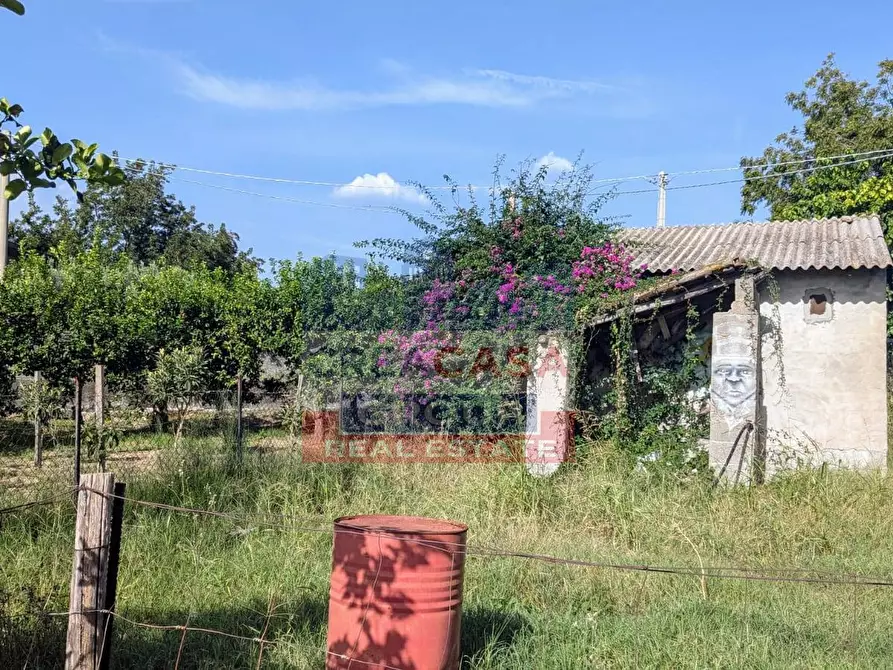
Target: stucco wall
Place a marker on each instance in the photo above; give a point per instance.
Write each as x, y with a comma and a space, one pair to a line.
824, 388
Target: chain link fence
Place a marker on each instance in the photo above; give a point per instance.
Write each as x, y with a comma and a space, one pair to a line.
45, 443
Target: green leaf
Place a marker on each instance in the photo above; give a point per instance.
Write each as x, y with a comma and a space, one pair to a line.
103, 162
14, 189
14, 6
42, 183
114, 178
7, 167
47, 136
30, 168
62, 152
23, 133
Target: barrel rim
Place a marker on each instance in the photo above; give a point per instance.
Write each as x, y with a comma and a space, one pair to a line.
435, 526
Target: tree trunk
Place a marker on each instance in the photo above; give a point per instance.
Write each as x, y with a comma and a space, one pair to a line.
161, 418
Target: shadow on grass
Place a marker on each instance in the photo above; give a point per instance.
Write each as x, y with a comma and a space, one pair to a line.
34, 640
27, 634
139, 647
30, 638
486, 631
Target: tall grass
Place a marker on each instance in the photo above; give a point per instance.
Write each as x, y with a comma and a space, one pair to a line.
517, 613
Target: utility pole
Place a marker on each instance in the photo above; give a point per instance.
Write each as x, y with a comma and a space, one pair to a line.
4, 223
661, 199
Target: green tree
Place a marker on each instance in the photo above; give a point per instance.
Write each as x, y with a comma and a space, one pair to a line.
840, 115
177, 381
138, 219
63, 318
324, 321
62, 315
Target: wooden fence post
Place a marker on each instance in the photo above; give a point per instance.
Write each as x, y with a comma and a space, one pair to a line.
92, 578
38, 423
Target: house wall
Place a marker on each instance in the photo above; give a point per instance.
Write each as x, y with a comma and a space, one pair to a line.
824, 390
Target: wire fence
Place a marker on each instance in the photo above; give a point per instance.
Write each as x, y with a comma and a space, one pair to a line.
262, 642
48, 442
41, 455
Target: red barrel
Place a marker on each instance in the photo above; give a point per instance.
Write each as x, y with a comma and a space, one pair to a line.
396, 593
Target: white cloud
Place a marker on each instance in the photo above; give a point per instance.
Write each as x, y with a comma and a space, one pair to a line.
483, 88
555, 163
381, 185
568, 85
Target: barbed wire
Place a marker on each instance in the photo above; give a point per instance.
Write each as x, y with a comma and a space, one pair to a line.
262, 641
775, 574
751, 573
156, 626
36, 503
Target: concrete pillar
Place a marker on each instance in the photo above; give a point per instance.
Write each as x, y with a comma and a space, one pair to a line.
734, 387
549, 427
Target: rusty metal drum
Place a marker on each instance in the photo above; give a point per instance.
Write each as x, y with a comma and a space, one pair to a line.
396, 593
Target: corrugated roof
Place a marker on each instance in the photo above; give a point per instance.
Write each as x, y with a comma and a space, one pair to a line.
844, 242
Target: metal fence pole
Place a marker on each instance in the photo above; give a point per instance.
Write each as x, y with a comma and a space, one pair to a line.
239, 434
38, 423
78, 396
99, 411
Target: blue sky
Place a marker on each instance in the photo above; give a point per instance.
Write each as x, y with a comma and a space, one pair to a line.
331, 92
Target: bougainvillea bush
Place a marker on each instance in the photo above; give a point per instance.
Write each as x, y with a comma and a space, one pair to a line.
492, 277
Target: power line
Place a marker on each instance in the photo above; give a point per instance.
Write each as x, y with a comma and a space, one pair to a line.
609, 180
783, 163
366, 208
887, 153
814, 168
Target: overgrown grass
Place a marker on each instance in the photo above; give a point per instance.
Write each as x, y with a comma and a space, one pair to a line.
517, 613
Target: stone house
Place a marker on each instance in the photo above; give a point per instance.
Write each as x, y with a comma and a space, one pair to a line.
794, 317
816, 347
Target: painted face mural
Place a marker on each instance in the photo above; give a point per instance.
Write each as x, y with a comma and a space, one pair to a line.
733, 383
734, 380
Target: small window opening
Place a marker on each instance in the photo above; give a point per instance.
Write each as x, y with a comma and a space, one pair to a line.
818, 304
